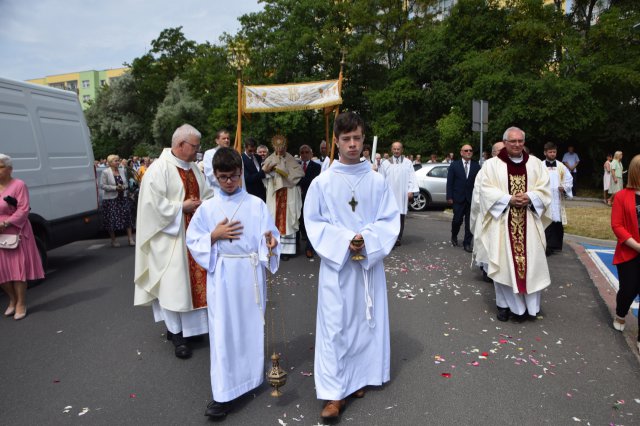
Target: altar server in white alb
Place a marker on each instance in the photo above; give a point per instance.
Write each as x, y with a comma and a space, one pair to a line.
346, 203
166, 276
514, 201
399, 172
561, 182
230, 236
284, 199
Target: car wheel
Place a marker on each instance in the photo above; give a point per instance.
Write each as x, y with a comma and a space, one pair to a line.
419, 202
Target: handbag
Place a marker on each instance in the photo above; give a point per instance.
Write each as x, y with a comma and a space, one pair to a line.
9, 241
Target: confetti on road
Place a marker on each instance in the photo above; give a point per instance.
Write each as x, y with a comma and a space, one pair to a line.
83, 412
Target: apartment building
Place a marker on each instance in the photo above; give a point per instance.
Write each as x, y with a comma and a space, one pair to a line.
84, 83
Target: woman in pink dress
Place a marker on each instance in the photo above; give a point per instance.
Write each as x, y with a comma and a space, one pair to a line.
23, 263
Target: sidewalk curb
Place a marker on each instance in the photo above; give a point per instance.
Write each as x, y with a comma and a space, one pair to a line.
607, 294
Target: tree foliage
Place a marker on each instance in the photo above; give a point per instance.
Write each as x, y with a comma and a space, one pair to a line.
562, 76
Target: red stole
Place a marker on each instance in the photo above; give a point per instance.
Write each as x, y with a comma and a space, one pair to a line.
281, 211
517, 220
197, 274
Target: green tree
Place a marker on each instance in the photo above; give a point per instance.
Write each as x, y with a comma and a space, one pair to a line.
177, 108
115, 126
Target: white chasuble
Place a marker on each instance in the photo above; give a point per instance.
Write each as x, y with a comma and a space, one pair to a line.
161, 264
402, 180
493, 215
284, 198
352, 329
236, 289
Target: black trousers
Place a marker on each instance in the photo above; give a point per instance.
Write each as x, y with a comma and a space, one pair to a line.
555, 235
461, 211
629, 281
302, 234
401, 226
574, 189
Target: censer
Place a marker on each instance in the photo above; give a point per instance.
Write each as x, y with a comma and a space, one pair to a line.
276, 376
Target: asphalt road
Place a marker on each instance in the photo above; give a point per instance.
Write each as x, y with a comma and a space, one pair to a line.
85, 347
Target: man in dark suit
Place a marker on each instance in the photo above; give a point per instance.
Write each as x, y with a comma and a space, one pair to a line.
311, 171
460, 180
253, 173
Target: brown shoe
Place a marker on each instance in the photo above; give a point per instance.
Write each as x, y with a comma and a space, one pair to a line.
332, 409
309, 253
358, 393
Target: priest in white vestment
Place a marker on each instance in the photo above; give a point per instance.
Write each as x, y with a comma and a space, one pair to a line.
561, 183
166, 276
399, 172
350, 201
284, 199
514, 200
229, 236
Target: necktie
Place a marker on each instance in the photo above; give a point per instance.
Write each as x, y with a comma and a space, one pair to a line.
551, 163
304, 166
397, 160
466, 169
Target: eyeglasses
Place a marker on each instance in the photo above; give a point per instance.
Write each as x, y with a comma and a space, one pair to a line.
467, 150
197, 147
232, 178
515, 140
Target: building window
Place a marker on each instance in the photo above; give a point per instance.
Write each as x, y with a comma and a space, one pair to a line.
85, 84
86, 98
103, 83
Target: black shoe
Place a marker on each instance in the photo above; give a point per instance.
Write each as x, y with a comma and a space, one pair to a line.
485, 277
503, 314
519, 318
454, 242
398, 243
285, 257
182, 349
217, 409
467, 248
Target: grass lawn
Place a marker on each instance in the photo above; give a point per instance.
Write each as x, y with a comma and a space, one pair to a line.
593, 222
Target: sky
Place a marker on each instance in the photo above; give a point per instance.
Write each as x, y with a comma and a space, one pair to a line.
39, 38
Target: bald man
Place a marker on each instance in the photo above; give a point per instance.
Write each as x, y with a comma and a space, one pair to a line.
460, 180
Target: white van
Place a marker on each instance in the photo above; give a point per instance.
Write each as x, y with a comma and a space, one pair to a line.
44, 132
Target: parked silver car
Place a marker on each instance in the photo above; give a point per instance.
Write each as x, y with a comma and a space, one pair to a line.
432, 181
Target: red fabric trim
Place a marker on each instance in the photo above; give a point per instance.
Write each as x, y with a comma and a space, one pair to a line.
281, 210
517, 220
197, 274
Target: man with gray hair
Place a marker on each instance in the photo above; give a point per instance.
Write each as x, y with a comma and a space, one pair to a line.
514, 211
166, 276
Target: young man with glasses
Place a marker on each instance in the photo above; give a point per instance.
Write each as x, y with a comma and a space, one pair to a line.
230, 236
166, 276
461, 177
